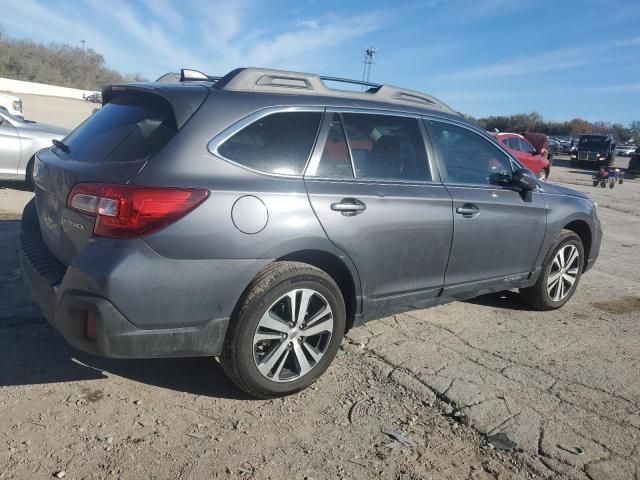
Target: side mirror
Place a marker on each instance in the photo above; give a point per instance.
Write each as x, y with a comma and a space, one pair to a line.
500, 179
524, 180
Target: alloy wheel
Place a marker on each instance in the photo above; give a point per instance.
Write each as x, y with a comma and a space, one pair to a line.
563, 273
293, 335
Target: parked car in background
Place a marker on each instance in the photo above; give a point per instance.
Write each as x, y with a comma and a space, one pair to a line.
11, 104
566, 143
595, 148
634, 162
625, 149
553, 149
534, 160
241, 219
19, 141
94, 97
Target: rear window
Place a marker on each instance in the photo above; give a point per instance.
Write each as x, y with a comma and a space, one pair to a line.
130, 128
279, 143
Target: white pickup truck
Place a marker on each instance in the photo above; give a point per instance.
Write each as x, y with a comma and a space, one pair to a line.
11, 104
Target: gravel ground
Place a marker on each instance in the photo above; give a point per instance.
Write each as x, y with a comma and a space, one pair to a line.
563, 385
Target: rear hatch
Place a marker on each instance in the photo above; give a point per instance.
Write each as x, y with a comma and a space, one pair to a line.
112, 146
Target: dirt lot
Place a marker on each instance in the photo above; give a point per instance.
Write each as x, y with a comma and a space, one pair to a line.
564, 386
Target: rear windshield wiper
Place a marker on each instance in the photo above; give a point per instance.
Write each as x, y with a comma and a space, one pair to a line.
60, 145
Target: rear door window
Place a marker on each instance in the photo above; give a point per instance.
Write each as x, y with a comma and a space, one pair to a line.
386, 147
278, 143
130, 128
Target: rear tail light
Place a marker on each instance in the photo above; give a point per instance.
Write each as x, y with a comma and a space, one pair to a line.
128, 211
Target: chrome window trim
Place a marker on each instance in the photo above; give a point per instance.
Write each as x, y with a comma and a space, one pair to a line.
214, 144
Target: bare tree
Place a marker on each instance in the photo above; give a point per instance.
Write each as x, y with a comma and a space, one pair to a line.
56, 64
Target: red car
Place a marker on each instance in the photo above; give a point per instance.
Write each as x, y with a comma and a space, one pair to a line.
534, 160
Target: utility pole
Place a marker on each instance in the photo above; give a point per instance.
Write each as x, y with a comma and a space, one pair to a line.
369, 53
83, 42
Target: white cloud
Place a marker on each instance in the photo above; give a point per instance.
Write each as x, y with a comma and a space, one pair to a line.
161, 35
627, 42
562, 59
165, 11
620, 88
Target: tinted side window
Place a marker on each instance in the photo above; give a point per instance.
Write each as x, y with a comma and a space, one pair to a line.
127, 129
386, 147
465, 156
278, 143
335, 161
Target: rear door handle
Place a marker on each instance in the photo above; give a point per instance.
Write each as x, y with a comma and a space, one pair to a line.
349, 207
468, 210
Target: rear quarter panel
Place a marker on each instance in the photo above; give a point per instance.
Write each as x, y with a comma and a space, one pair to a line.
209, 232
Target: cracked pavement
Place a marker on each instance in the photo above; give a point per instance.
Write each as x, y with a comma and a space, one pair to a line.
564, 385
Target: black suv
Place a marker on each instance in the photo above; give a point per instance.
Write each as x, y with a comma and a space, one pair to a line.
595, 148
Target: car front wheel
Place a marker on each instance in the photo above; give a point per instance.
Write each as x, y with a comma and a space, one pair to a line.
286, 331
561, 273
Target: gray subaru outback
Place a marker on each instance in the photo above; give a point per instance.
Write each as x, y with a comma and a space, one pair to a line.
258, 216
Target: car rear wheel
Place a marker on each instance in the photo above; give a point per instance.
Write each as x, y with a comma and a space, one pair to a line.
560, 275
286, 330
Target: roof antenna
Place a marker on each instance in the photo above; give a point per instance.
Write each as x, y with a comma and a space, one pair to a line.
369, 53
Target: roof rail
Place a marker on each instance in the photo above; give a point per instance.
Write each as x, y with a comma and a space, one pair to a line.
281, 81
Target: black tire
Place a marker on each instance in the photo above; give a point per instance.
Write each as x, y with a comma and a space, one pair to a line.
603, 184
537, 295
271, 284
595, 184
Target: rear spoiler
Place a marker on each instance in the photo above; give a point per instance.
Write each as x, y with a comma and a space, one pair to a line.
183, 99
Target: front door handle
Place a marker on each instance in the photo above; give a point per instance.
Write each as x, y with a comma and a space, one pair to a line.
349, 207
468, 210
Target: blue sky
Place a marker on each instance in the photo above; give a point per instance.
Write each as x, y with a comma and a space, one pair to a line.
563, 59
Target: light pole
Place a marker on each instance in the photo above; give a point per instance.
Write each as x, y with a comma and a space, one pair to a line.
83, 42
369, 53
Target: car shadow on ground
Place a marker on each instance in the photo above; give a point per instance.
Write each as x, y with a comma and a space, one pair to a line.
32, 352
20, 186
507, 300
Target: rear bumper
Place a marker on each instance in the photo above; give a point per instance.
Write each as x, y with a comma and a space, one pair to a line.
172, 312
